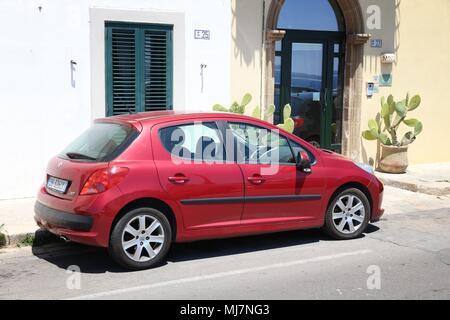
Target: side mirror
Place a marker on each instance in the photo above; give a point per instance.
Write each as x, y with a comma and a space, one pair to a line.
303, 162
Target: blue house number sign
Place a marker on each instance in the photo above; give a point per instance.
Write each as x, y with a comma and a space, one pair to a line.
376, 43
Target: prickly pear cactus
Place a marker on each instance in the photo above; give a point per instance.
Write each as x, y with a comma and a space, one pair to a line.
392, 115
266, 115
236, 107
288, 124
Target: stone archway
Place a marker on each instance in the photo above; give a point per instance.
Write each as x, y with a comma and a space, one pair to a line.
353, 82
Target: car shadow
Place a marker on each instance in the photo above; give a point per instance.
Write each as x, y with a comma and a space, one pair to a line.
253, 243
96, 260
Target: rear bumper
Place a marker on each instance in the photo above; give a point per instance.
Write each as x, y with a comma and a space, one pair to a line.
86, 220
61, 219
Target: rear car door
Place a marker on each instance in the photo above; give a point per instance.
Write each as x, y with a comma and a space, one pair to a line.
189, 157
275, 191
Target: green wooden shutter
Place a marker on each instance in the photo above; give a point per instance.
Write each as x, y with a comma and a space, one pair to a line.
138, 68
157, 77
121, 71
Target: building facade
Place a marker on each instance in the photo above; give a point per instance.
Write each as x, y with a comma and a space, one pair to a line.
278, 46
64, 63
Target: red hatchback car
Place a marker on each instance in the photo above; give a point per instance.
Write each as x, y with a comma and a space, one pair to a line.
136, 183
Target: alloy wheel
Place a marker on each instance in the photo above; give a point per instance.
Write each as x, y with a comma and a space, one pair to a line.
143, 238
348, 214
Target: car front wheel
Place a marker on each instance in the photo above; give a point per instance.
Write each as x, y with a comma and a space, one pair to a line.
347, 215
140, 239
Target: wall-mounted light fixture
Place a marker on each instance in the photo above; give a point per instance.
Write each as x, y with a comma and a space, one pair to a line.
388, 58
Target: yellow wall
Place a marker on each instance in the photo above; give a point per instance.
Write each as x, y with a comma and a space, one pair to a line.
246, 49
416, 30
422, 44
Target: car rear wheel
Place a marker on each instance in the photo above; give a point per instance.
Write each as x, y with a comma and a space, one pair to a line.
347, 215
140, 239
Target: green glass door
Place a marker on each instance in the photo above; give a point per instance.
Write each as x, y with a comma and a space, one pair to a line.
310, 80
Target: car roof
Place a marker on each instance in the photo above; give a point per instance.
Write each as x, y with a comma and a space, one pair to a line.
153, 117
140, 119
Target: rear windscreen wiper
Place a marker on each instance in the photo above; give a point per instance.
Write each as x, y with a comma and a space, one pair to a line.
74, 155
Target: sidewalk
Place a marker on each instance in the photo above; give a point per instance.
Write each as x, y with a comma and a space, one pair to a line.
433, 179
17, 215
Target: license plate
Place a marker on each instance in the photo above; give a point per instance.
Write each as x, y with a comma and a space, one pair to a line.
57, 185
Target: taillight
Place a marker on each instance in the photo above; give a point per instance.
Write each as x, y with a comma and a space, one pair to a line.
104, 179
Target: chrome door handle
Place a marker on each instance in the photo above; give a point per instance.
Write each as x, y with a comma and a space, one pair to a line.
178, 179
256, 179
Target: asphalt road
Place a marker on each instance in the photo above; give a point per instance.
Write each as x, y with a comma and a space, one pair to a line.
405, 256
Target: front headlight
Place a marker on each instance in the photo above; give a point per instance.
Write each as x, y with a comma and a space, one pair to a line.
366, 167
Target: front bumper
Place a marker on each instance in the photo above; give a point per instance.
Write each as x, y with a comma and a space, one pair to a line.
377, 191
61, 219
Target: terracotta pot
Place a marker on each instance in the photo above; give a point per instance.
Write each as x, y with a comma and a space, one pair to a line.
393, 159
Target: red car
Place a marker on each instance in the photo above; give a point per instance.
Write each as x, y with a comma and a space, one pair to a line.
136, 183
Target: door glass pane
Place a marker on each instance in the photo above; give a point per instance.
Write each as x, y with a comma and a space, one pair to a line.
278, 46
319, 15
198, 141
258, 145
306, 88
336, 116
337, 48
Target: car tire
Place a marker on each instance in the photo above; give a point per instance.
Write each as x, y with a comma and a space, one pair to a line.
345, 220
140, 239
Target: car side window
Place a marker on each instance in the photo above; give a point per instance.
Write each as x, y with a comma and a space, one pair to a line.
194, 141
258, 145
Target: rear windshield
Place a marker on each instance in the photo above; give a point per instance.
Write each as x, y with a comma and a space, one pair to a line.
101, 142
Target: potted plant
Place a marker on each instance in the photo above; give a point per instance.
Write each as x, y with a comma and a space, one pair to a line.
384, 129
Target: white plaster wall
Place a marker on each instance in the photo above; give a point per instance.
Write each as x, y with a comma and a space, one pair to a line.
44, 104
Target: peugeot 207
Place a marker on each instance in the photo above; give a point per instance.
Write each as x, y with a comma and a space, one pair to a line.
137, 183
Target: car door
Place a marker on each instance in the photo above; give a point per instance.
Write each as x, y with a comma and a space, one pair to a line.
189, 157
275, 191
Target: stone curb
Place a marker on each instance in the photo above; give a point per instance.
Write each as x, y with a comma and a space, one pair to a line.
40, 237
416, 186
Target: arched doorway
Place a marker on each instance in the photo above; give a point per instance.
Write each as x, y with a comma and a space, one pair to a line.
314, 54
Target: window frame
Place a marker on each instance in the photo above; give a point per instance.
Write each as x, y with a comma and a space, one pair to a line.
139, 75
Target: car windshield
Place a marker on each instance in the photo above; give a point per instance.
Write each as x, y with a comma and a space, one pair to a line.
101, 142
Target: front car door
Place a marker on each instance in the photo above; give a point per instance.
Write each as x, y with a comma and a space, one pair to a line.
189, 157
275, 191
